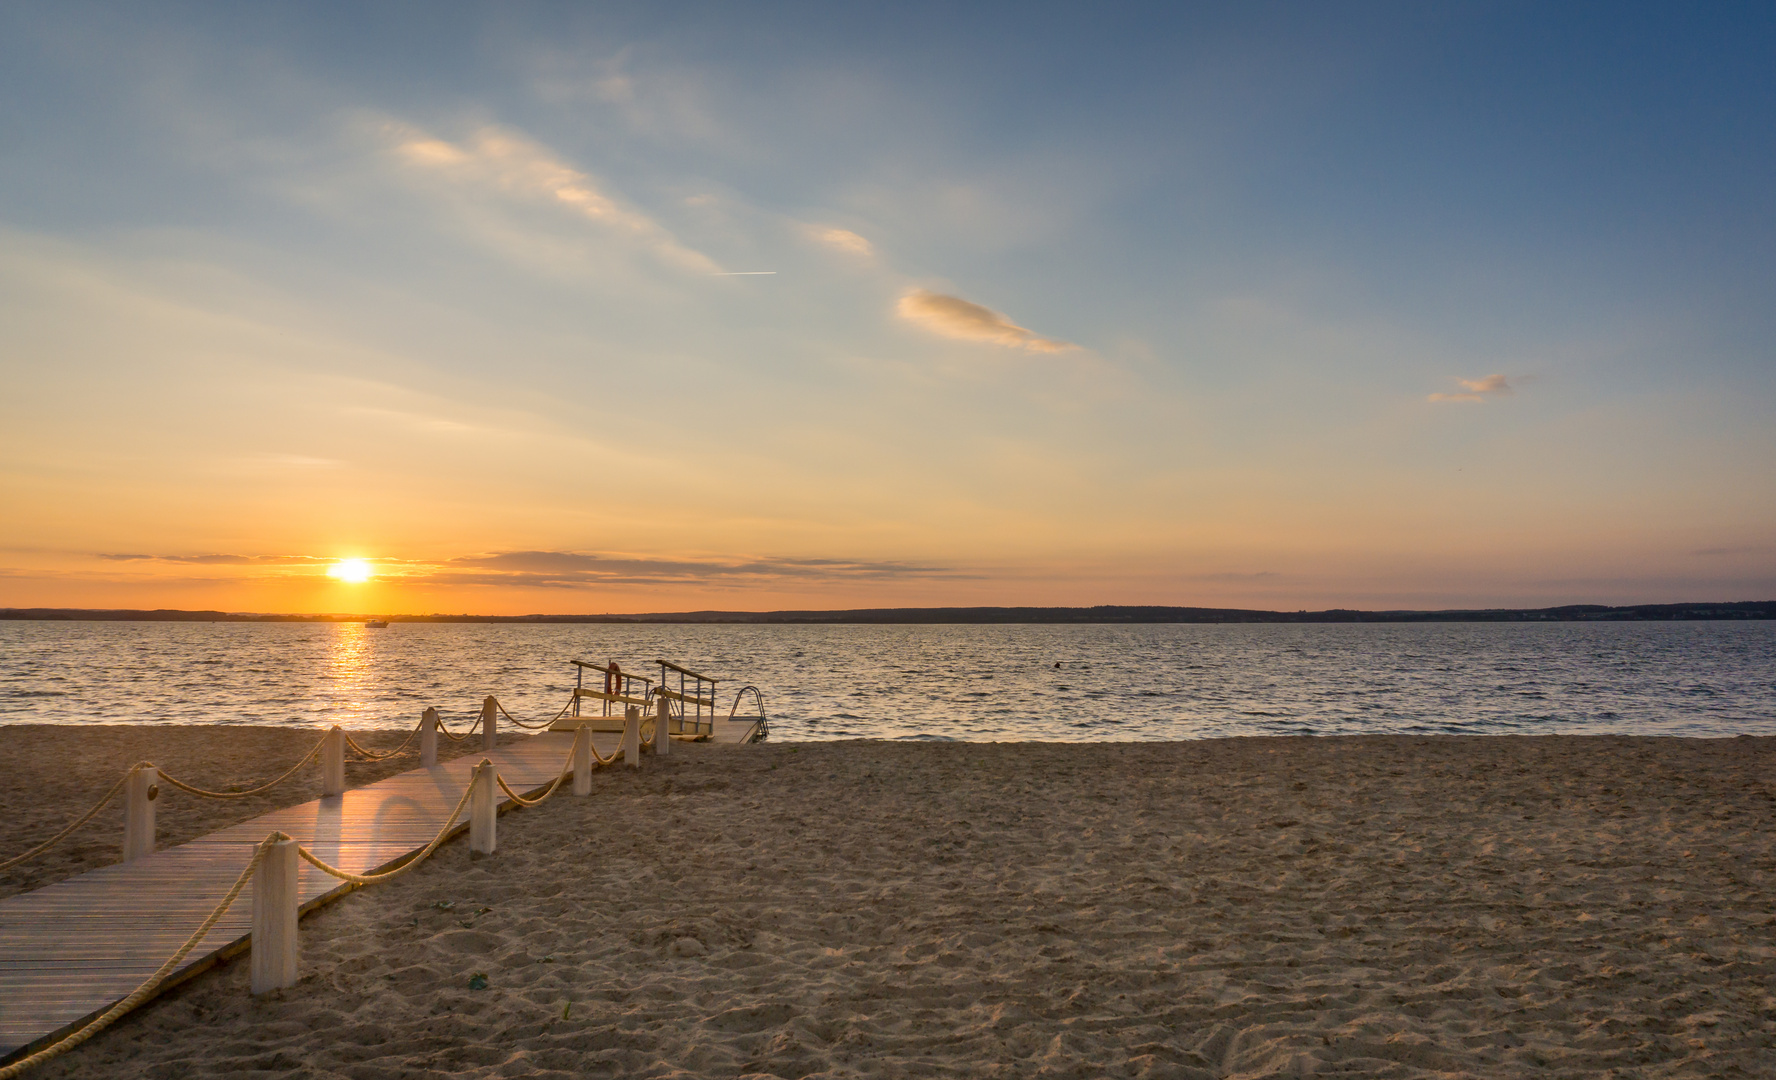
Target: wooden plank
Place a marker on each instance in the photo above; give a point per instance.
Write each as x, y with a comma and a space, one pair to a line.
600, 695
673, 695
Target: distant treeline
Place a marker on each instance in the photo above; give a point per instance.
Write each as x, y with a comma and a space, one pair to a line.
1748, 609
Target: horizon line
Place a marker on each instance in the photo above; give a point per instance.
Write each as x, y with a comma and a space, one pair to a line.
979, 614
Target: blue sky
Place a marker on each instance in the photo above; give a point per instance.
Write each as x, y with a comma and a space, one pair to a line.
1260, 305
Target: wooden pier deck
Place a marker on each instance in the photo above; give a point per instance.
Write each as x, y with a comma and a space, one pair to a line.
72, 949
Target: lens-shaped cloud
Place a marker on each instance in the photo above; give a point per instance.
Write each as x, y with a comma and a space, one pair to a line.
1477, 389
842, 240
955, 317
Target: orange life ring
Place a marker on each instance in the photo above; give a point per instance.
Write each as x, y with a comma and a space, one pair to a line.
613, 679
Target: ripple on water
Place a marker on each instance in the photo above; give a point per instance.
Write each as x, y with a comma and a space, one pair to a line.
929, 682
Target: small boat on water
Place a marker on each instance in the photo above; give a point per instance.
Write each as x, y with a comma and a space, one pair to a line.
376, 624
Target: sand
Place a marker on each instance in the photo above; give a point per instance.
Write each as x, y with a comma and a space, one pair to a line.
1380, 906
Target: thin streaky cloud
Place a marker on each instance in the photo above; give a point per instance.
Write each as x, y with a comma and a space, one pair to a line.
1478, 390
568, 569
224, 560
506, 163
952, 316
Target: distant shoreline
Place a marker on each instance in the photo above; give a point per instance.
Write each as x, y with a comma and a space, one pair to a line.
1103, 614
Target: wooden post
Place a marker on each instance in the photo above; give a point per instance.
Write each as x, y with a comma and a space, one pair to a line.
489, 730
582, 760
139, 797
275, 904
428, 738
333, 762
632, 736
663, 728
483, 809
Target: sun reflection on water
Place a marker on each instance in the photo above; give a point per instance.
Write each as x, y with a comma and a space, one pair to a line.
349, 670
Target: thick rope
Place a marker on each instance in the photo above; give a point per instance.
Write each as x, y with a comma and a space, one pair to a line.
146, 990
84, 818
371, 879
448, 734
375, 755
566, 769
183, 786
528, 726
598, 759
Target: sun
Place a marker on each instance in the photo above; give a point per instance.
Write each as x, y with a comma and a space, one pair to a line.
356, 571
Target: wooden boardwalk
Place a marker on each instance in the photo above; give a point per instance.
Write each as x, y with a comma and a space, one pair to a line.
71, 950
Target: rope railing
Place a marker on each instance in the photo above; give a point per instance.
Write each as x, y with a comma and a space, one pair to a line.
370, 879
451, 735
82, 820
599, 760
376, 755
146, 989
192, 789
206, 793
529, 726
566, 771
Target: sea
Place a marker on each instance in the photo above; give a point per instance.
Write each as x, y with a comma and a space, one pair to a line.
1073, 683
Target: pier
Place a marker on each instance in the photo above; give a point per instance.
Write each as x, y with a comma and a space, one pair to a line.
72, 950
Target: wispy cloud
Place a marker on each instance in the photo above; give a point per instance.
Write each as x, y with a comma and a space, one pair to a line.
224, 560
500, 162
575, 570
567, 569
296, 461
955, 317
842, 240
1477, 389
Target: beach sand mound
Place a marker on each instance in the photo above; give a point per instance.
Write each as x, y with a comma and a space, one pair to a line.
1374, 906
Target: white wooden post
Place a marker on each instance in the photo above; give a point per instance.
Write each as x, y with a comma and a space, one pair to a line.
489, 732
140, 795
663, 728
275, 904
333, 762
428, 738
483, 809
582, 760
632, 736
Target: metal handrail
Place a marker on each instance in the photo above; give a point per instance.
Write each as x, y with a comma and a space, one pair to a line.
764, 722
608, 671
623, 679
693, 698
669, 665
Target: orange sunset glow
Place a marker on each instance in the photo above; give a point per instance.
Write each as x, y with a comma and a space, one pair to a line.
598, 329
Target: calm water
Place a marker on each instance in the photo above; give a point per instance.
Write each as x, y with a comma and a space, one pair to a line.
954, 682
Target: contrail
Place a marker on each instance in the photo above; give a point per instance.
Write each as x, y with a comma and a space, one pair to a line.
743, 273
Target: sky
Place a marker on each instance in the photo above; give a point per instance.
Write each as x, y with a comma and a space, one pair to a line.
588, 308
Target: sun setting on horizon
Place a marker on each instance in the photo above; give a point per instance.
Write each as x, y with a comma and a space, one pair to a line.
352, 571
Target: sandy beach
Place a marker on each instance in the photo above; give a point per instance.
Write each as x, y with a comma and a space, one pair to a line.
1379, 906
